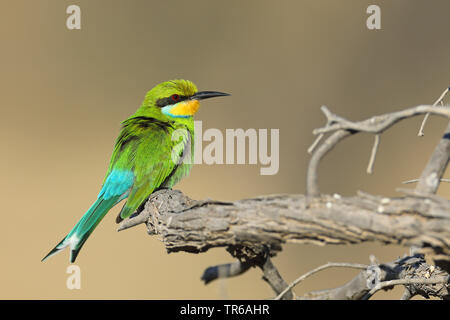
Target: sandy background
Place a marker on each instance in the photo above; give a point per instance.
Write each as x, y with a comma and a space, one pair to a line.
64, 93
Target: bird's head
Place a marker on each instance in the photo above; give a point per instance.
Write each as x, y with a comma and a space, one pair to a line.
176, 99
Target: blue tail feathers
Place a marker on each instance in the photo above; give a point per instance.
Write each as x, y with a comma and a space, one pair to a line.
83, 229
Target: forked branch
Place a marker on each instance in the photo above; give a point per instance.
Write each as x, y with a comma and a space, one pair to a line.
253, 230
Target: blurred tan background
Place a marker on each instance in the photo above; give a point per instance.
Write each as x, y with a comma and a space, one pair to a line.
64, 93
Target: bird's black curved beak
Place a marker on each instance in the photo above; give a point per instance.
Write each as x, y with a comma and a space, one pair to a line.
201, 95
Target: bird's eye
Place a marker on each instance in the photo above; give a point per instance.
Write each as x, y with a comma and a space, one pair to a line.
175, 97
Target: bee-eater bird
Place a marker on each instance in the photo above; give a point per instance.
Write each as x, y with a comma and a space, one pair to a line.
149, 154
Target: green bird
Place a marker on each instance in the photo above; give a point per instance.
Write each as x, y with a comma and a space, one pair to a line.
150, 153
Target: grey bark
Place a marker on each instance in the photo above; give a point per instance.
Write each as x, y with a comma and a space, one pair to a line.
253, 230
188, 225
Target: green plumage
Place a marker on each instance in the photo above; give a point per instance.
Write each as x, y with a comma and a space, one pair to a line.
155, 149
146, 147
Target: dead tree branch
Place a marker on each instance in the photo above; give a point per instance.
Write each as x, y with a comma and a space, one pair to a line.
418, 277
325, 266
341, 128
435, 168
277, 219
438, 101
253, 230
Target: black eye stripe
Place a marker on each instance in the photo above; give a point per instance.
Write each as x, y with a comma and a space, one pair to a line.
168, 101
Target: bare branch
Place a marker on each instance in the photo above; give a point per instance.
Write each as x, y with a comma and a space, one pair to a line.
373, 154
391, 283
315, 143
312, 178
435, 168
272, 276
406, 295
417, 180
378, 124
377, 277
438, 101
342, 128
323, 267
136, 220
276, 219
432, 174
253, 230
263, 261
227, 270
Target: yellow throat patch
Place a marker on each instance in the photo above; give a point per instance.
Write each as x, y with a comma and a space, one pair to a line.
185, 108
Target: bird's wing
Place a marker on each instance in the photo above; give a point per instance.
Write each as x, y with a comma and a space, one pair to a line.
152, 156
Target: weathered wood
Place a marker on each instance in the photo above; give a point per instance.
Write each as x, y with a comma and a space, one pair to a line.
188, 225
435, 168
253, 230
418, 277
